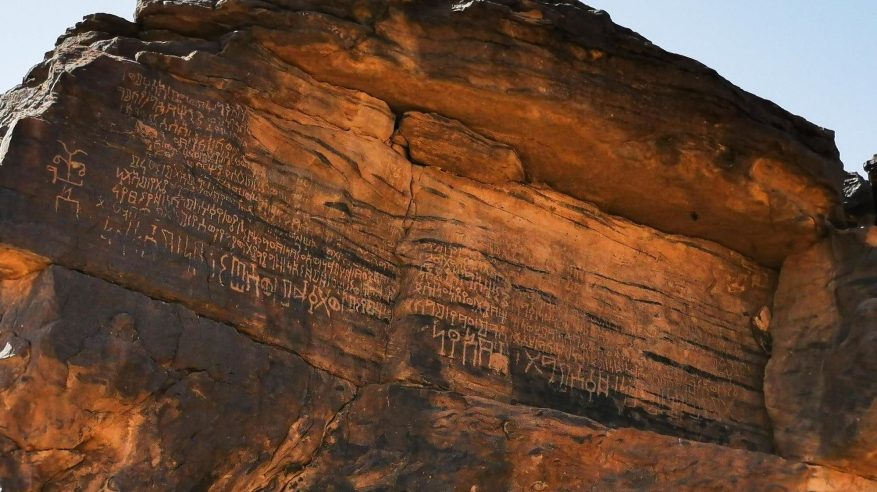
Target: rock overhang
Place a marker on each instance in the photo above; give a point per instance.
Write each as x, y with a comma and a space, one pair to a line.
592, 109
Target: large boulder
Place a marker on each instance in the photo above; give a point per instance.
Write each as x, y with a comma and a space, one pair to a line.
284, 207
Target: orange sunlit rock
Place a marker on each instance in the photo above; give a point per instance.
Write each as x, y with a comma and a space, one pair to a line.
396, 245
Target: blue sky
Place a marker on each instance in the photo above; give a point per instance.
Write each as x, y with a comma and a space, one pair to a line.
816, 59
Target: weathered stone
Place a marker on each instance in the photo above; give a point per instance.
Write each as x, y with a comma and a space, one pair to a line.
562, 320
819, 384
268, 218
117, 390
591, 108
447, 144
396, 438
348, 197
286, 212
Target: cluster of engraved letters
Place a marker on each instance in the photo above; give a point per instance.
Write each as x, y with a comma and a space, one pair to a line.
481, 321
193, 195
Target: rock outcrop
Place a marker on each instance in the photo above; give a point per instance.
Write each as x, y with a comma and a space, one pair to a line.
466, 442
104, 387
858, 200
593, 109
432, 140
819, 385
493, 245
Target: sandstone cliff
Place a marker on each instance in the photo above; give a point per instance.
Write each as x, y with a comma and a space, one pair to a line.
435, 245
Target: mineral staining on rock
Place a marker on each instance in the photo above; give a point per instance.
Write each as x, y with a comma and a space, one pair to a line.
343, 233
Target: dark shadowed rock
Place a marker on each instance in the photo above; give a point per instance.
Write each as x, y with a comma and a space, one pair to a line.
397, 438
858, 199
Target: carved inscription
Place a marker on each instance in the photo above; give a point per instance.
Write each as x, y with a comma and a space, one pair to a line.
194, 197
482, 321
221, 213
575, 336
68, 173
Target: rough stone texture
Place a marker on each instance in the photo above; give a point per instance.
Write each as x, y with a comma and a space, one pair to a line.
105, 389
592, 108
276, 220
294, 223
447, 144
354, 206
819, 384
565, 320
395, 438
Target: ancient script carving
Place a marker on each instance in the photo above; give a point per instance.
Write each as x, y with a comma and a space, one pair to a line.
69, 174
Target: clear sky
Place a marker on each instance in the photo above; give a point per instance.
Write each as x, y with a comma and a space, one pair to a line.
814, 58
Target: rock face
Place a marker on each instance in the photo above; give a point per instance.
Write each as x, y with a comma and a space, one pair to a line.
104, 387
819, 385
464, 443
560, 320
592, 109
432, 140
297, 245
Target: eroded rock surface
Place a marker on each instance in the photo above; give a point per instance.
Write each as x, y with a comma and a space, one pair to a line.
591, 108
428, 440
820, 388
249, 244
590, 314
103, 387
264, 220
432, 140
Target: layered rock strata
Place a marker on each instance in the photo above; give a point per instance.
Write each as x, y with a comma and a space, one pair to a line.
248, 244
